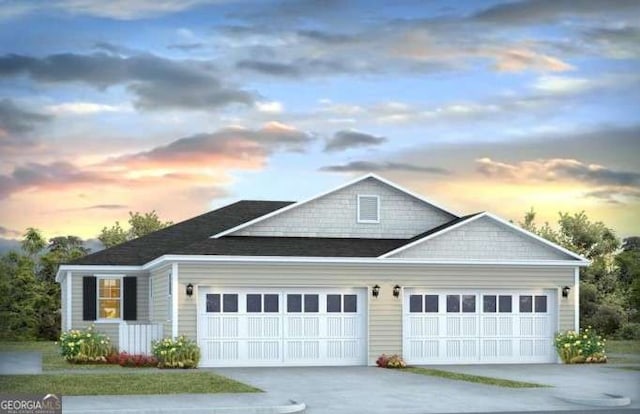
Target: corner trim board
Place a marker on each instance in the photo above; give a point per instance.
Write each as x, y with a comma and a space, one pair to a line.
174, 300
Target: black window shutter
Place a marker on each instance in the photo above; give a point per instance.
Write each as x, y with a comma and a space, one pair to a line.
89, 298
130, 308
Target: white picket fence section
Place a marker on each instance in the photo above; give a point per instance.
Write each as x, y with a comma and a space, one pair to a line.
137, 338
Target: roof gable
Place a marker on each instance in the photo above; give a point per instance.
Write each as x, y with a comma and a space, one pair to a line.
482, 236
334, 214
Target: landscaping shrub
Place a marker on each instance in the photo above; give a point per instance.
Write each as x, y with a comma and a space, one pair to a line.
176, 353
86, 346
136, 361
579, 347
393, 361
608, 319
629, 330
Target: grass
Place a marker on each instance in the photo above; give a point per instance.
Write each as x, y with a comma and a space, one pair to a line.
51, 358
192, 382
623, 351
473, 378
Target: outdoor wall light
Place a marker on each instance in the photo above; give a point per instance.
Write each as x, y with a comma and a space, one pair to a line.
375, 291
189, 290
396, 291
565, 291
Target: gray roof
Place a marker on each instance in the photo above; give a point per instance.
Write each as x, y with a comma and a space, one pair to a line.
292, 246
193, 237
146, 248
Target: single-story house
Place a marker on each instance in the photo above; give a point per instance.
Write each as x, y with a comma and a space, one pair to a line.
339, 279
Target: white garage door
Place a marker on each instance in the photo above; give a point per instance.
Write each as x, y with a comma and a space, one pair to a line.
467, 326
276, 327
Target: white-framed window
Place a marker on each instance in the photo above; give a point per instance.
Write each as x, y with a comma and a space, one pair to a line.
109, 297
368, 208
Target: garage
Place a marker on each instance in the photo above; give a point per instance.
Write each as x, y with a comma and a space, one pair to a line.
281, 327
479, 326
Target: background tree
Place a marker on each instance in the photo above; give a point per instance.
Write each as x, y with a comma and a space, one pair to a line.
140, 225
610, 285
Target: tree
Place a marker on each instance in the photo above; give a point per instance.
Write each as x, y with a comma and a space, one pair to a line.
19, 295
602, 296
32, 242
140, 225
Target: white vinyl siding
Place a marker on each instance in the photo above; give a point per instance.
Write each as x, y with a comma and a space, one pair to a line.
161, 306
368, 209
335, 215
385, 312
482, 239
109, 328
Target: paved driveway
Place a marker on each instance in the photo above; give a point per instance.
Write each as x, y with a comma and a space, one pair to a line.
374, 390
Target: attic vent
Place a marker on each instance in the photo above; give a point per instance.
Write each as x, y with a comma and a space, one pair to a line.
368, 209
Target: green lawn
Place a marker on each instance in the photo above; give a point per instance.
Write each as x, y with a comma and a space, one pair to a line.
472, 378
623, 351
155, 382
51, 358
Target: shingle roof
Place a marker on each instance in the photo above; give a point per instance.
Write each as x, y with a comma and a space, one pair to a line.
441, 227
146, 248
292, 246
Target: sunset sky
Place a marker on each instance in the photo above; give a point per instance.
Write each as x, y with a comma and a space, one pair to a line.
184, 106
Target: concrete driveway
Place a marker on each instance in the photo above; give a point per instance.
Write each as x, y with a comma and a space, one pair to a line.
374, 390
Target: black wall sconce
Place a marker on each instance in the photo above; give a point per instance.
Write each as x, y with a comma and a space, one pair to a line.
565, 291
189, 290
375, 291
396, 291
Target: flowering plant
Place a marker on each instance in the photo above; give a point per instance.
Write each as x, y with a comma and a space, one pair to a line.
130, 360
393, 361
180, 352
85, 346
579, 347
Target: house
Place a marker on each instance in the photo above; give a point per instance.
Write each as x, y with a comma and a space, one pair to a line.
364, 269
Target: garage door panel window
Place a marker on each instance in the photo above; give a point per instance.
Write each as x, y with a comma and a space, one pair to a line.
350, 303
453, 303
541, 304
468, 303
271, 303
213, 302
431, 303
294, 303
505, 303
526, 304
334, 303
230, 303
489, 304
311, 303
415, 303
254, 303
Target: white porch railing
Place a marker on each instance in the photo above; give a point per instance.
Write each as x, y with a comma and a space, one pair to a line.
137, 338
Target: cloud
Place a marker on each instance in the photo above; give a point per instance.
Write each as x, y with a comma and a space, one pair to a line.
56, 175
370, 166
85, 108
270, 107
6, 232
156, 82
347, 139
557, 169
115, 9
622, 42
518, 60
106, 207
186, 47
16, 120
233, 146
547, 11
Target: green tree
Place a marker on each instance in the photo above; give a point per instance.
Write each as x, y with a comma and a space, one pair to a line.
32, 242
19, 295
602, 298
140, 225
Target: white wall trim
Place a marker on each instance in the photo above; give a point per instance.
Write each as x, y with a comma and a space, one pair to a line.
95, 268
174, 300
69, 304
576, 298
353, 260
300, 203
